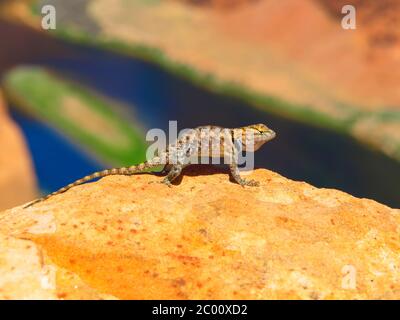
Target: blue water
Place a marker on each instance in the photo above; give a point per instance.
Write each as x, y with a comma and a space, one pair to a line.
300, 152
140, 85
57, 161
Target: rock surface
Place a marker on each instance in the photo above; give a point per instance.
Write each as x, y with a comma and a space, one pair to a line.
204, 238
17, 179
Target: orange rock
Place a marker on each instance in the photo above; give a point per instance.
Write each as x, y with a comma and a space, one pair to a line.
205, 238
380, 19
17, 180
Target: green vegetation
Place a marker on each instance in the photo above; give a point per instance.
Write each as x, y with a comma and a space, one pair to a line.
85, 117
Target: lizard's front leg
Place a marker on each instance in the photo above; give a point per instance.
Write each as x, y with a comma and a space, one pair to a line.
233, 166
243, 182
173, 173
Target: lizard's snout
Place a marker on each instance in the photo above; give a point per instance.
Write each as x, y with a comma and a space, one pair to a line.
270, 134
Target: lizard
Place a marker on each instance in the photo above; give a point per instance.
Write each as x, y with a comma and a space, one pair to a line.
203, 141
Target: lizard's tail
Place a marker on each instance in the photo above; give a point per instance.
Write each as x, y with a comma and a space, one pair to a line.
100, 174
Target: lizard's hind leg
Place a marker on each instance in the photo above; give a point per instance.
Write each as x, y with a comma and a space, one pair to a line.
167, 168
173, 173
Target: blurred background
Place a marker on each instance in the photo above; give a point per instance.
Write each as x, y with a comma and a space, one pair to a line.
82, 96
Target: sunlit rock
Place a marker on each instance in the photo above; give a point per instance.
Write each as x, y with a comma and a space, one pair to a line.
204, 238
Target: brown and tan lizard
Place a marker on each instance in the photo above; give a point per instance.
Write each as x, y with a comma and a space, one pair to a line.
204, 141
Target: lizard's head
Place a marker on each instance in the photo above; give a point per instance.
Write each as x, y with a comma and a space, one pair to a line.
260, 133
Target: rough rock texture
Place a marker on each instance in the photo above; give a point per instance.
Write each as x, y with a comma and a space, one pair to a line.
17, 179
206, 237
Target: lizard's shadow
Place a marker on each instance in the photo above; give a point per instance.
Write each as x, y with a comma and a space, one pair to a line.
198, 170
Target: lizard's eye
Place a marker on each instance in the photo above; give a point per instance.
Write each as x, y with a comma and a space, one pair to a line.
260, 130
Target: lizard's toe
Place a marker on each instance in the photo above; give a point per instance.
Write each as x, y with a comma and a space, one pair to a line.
166, 182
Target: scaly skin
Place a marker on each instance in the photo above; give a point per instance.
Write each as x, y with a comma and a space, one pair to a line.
205, 141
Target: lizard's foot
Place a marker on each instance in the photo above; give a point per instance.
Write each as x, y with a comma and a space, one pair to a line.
250, 183
166, 182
